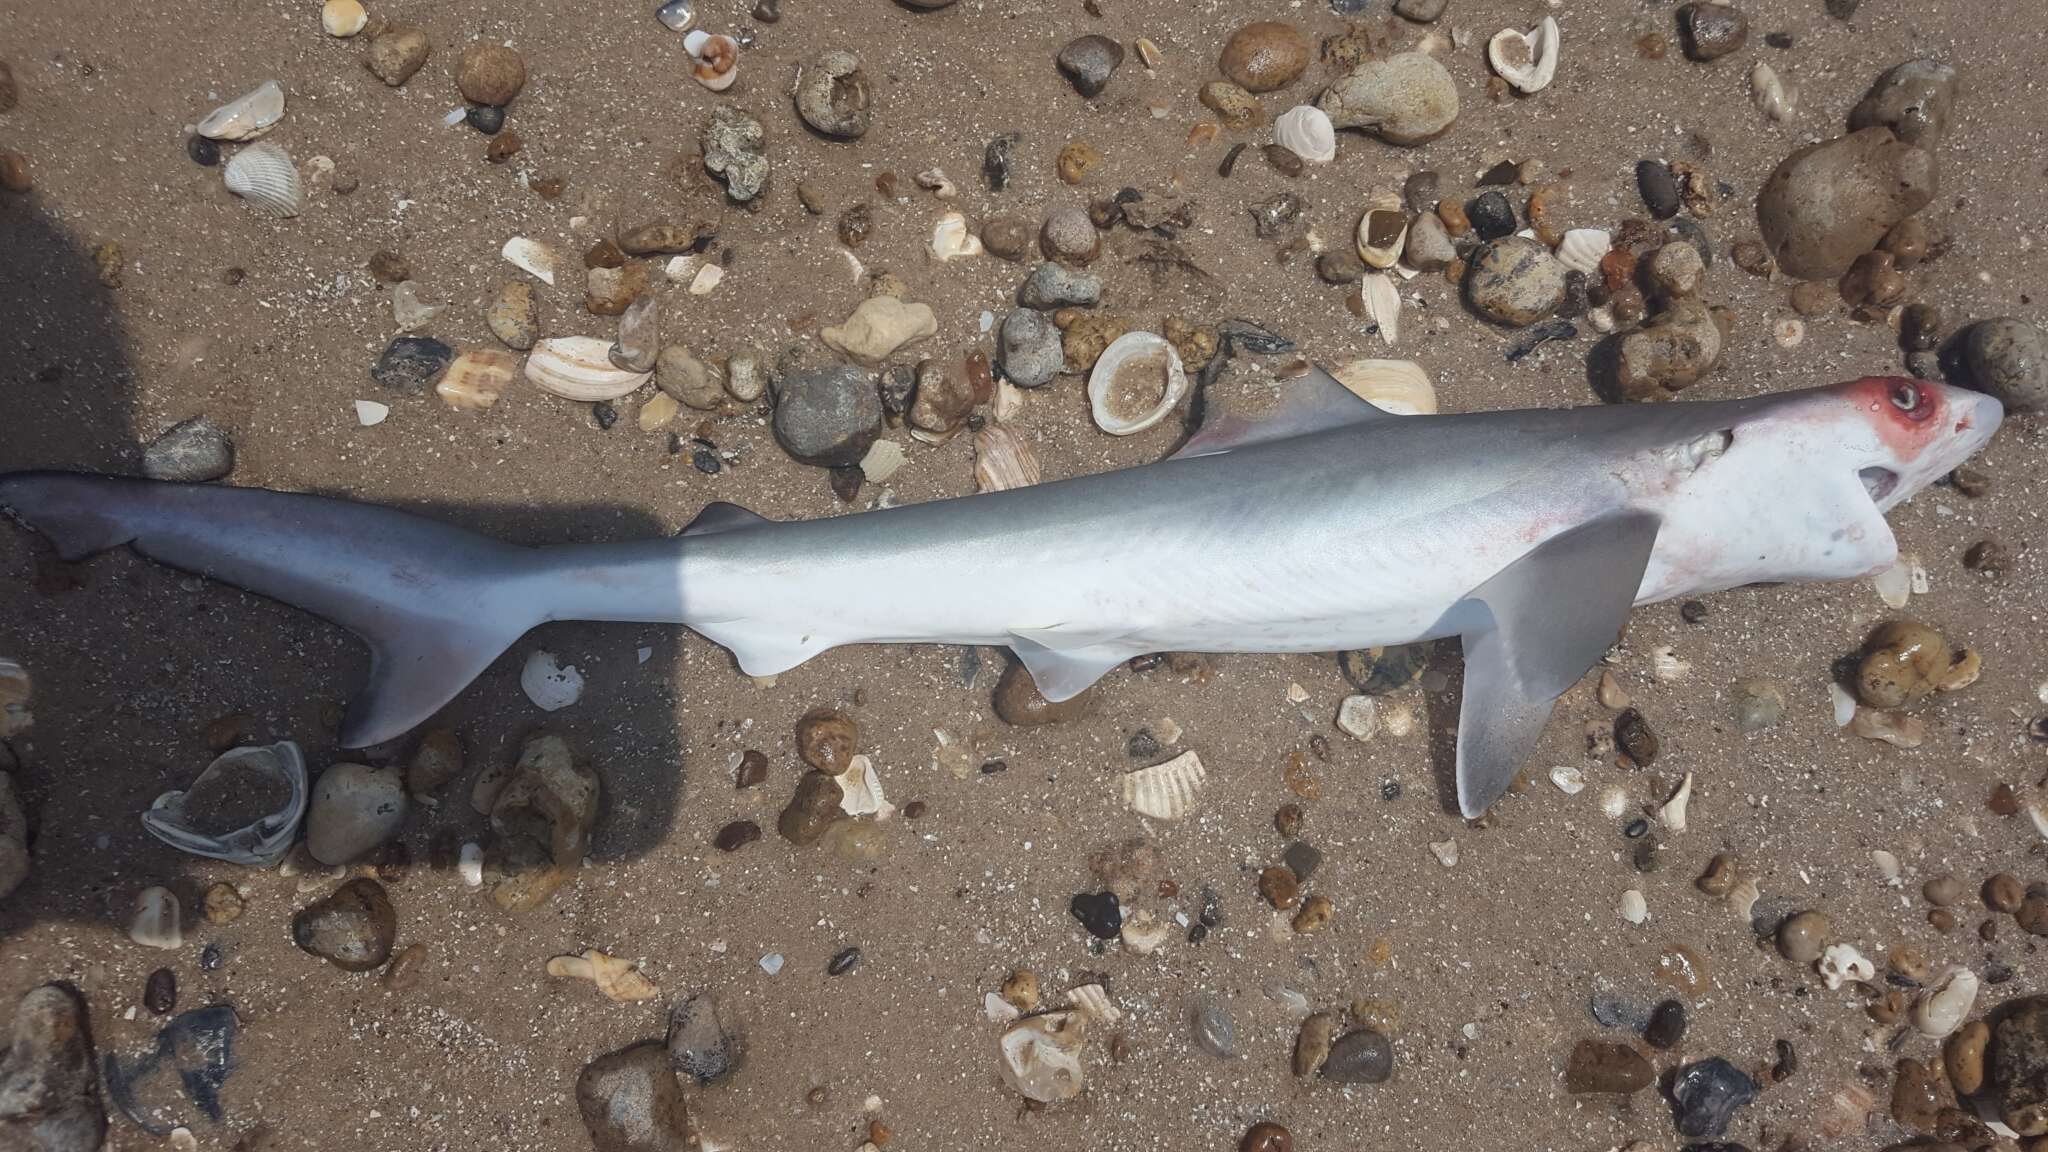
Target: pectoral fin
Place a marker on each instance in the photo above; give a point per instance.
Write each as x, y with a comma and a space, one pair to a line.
1069, 671
1550, 615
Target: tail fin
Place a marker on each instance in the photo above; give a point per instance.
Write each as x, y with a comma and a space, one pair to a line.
436, 604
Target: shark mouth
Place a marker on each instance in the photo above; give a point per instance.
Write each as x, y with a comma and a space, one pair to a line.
1879, 482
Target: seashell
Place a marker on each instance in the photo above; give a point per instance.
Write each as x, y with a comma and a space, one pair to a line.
265, 178
1401, 387
211, 827
1042, 1055
477, 378
1581, 249
1666, 666
951, 239
2038, 817
1887, 866
1672, 814
1897, 729
1359, 717
1148, 54
1009, 402
470, 864
342, 19
1143, 933
1294, 1002
1569, 780
1527, 60
370, 413
1382, 231
997, 1009
531, 257
1789, 332
1843, 964
1902, 581
1092, 1000
1165, 791
677, 15
1135, 383
580, 368
1772, 97
1743, 898
247, 116
1943, 1006
717, 59
408, 313
15, 689
617, 979
1633, 907
940, 184
1305, 130
551, 685
860, 790
706, 279
882, 461
1613, 802
1382, 304
155, 922
1845, 704
1002, 460
1445, 851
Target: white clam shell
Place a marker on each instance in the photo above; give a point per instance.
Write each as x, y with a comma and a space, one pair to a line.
264, 176
860, 790
1042, 1055
1945, 1004
952, 240
1002, 460
1388, 254
1527, 60
1166, 791
550, 684
1581, 249
1633, 907
259, 844
1122, 410
580, 368
1382, 300
1400, 387
247, 116
531, 257
1093, 1001
1306, 131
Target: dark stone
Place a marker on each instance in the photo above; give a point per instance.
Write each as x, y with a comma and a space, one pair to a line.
2018, 1066
1099, 913
704, 1042
1142, 745
411, 363
1779, 40
631, 1101
1711, 31
204, 152
737, 835
1636, 739
1362, 1056
1692, 612
843, 961
1666, 1027
996, 160
191, 452
706, 461
1283, 159
49, 1080
827, 417
1501, 175
1089, 61
1604, 1066
1659, 190
1705, 1095
1420, 192
192, 1058
1378, 671
485, 119
812, 810
1491, 215
1420, 11
1302, 859
353, 929
1843, 9
604, 415
753, 769
1536, 335
160, 992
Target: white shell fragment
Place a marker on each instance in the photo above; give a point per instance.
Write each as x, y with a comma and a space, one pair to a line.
952, 240
1672, 814
1143, 933
264, 176
1165, 791
154, 923
1042, 1056
619, 981
550, 684
1527, 60
1843, 964
1581, 249
1633, 907
1943, 1006
1569, 780
1384, 216
1400, 387
1613, 801
580, 368
1666, 666
260, 843
246, 117
2038, 817
1445, 851
1382, 300
939, 184
1093, 1000
370, 413
470, 865
1003, 460
997, 1009
1773, 98
1887, 866
531, 257
408, 312
860, 790
706, 280
1306, 131
1135, 383
1359, 717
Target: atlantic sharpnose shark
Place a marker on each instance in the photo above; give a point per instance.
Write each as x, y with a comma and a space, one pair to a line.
1328, 525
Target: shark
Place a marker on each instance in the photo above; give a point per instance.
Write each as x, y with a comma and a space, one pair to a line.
1326, 525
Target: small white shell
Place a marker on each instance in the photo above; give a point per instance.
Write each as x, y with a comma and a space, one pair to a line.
1666, 665
717, 59
1772, 97
1526, 60
1382, 300
1445, 851
580, 368
1843, 964
1401, 387
1887, 866
1002, 460
1042, 1055
1945, 1004
1633, 907
370, 413
1093, 1001
940, 184
951, 239
1165, 791
883, 459
551, 685
531, 257
1845, 704
1789, 332
1388, 252
1143, 933
997, 1009
860, 790
1672, 814
1743, 898
1581, 249
1613, 801
1136, 382
264, 176
1305, 130
1569, 780
706, 280
247, 116
155, 921
1359, 717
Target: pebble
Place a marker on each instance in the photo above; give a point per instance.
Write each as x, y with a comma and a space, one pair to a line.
1089, 61
2008, 357
2018, 1072
1361, 1056
736, 835
1302, 858
843, 961
51, 1101
190, 452
1962, 1057
827, 417
1828, 203
477, 378
1803, 936
10, 91
1312, 1043
1030, 350
1264, 55
353, 929
514, 316
997, 159
1672, 352
1705, 1095
1676, 270
342, 19
1634, 738
827, 739
1710, 31
703, 1040
1666, 1027
1008, 236
397, 53
1917, 1095
1266, 1136
2003, 892
1407, 98
1912, 99
1759, 704
203, 151
1429, 246
160, 992
631, 1101
490, 75
2032, 914
832, 95
1515, 281
1315, 913
410, 364
1282, 159
1069, 236
1491, 215
1099, 912
1214, 1031
811, 810
1658, 188
1279, 886
1420, 11
354, 808
735, 151
1052, 286
691, 380
1606, 1066
1238, 108
222, 903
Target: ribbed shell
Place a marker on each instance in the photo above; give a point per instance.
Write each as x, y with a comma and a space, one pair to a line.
1165, 791
264, 176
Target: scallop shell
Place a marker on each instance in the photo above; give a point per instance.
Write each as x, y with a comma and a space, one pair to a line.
1042, 1055
15, 688
1121, 415
1002, 460
258, 845
550, 684
1581, 249
1382, 301
1093, 1001
264, 176
951, 238
1381, 209
860, 790
1401, 387
1165, 791
1945, 1004
617, 979
1527, 60
531, 257
717, 59
247, 116
1306, 131
580, 368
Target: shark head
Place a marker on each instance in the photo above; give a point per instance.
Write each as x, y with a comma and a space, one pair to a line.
1900, 434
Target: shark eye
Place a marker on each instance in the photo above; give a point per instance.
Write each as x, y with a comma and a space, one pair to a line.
1905, 395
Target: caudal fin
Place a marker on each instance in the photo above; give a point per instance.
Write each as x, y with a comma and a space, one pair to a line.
436, 604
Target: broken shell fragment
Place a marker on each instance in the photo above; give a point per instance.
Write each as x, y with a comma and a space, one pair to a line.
616, 978
1613, 801
1306, 131
717, 59
951, 238
1633, 907
1042, 1056
1843, 964
1381, 302
246, 117
1092, 1000
860, 790
1569, 780
1165, 791
264, 176
1382, 231
1581, 249
550, 684
1672, 814
1135, 383
531, 257
1527, 60
1401, 387
939, 184
1002, 460
1773, 98
212, 817
580, 368
1943, 1006
1143, 933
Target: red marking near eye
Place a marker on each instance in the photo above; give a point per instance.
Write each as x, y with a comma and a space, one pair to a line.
1904, 411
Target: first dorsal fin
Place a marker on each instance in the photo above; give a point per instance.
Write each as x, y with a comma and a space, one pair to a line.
720, 516
1311, 403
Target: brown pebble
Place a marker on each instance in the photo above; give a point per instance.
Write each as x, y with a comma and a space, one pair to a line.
1017, 701
223, 903
1804, 935
2003, 892
2005, 800
1635, 739
1312, 1042
1815, 298
915, 810
1752, 257
1076, 159
14, 174
1279, 886
504, 146
160, 992
826, 739
1963, 1056
549, 187
1315, 913
1020, 990
752, 770
1453, 217
1283, 159
1266, 1136
405, 968
1943, 890
878, 1133
1287, 820
2032, 914
1941, 920
737, 835
1917, 1096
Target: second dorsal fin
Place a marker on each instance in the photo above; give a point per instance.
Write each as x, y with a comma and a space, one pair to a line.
1311, 403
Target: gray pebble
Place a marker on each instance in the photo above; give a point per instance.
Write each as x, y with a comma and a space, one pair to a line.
1515, 281
1089, 62
734, 150
702, 1043
827, 417
1912, 99
1031, 351
2008, 358
1430, 246
191, 452
1658, 188
631, 1102
832, 95
1051, 286
1420, 11
1828, 203
1362, 1056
